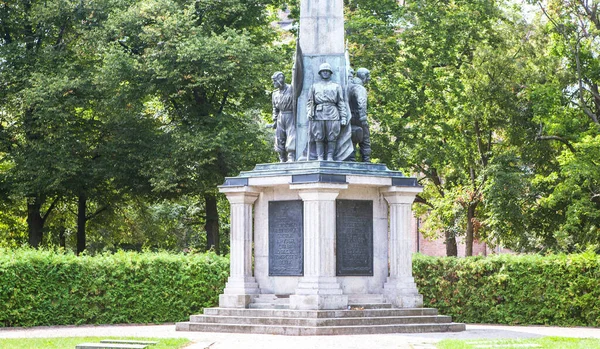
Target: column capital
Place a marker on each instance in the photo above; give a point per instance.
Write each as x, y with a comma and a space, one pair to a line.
319, 191
400, 195
240, 194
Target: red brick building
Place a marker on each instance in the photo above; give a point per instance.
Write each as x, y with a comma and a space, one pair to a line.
437, 247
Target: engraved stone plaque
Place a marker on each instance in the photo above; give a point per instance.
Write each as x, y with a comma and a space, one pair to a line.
354, 238
286, 242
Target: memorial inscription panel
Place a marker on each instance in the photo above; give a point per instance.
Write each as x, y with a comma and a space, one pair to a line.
286, 243
354, 238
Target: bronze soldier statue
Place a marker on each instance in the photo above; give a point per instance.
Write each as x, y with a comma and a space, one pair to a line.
284, 121
357, 98
326, 113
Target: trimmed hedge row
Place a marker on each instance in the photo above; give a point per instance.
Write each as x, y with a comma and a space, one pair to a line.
560, 290
48, 288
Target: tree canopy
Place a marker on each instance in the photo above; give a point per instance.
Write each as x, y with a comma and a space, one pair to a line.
119, 118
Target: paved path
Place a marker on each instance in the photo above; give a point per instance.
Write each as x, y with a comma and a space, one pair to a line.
249, 341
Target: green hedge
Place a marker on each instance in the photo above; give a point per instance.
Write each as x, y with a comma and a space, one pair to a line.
560, 290
48, 288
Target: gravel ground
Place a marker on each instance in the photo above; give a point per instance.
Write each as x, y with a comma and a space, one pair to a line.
246, 341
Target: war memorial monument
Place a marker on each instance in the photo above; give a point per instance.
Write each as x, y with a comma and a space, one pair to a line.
320, 243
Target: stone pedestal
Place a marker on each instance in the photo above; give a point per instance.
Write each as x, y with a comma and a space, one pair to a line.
241, 286
322, 187
319, 288
400, 288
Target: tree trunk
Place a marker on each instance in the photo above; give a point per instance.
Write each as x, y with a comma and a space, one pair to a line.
81, 221
451, 247
62, 241
470, 229
212, 223
35, 221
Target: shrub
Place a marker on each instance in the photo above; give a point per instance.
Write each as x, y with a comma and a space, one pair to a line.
50, 288
559, 290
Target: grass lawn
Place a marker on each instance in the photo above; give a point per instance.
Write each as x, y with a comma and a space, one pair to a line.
545, 343
71, 342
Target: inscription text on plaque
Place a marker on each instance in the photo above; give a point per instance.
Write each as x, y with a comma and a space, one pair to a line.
286, 243
354, 238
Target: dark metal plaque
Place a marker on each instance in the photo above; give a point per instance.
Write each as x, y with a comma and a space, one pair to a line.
286, 238
354, 238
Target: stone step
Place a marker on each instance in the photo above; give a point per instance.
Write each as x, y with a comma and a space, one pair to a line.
270, 301
268, 298
128, 341
319, 313
326, 330
268, 306
362, 306
320, 322
109, 346
366, 298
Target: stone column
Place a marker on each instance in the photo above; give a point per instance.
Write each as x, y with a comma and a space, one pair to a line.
319, 288
400, 288
241, 286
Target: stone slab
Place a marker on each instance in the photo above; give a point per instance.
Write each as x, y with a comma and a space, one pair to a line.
322, 170
326, 331
320, 313
128, 341
319, 322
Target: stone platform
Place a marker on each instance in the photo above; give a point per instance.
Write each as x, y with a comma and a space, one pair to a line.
357, 320
320, 248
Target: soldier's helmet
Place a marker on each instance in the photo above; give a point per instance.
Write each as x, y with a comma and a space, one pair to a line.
362, 72
325, 66
277, 74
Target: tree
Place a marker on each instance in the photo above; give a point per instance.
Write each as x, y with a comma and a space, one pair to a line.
207, 64
566, 106
75, 129
446, 102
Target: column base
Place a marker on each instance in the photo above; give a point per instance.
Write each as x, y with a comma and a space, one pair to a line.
402, 293
241, 285
318, 302
318, 293
235, 300
239, 292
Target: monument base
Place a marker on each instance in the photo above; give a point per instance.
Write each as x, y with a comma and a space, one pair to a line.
321, 293
235, 300
239, 292
402, 293
358, 320
352, 272
318, 302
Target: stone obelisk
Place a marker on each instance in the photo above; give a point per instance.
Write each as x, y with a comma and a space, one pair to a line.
321, 39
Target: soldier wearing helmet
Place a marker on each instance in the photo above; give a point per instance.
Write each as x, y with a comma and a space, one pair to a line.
357, 98
326, 112
284, 121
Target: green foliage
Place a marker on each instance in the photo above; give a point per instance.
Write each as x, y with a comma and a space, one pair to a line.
50, 288
110, 101
496, 113
563, 98
445, 99
558, 290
